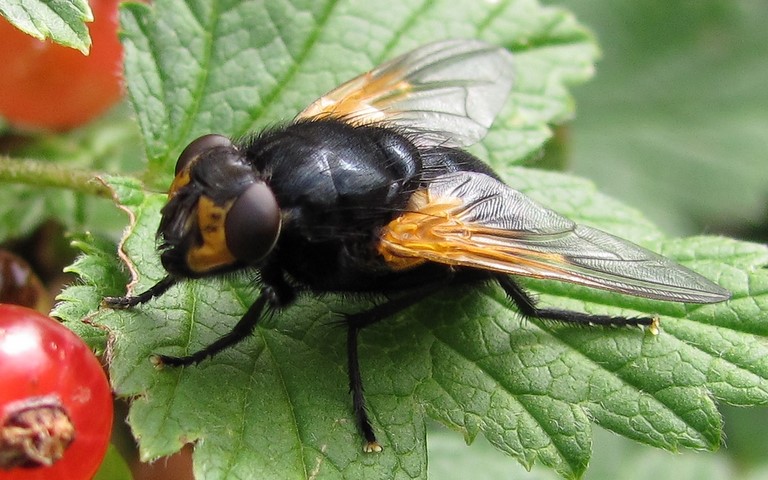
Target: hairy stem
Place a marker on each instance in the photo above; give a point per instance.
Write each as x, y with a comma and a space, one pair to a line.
43, 174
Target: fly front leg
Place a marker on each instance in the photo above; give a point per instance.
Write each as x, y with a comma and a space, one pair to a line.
269, 297
128, 301
276, 293
242, 330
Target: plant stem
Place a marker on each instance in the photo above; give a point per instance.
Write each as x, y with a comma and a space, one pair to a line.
43, 174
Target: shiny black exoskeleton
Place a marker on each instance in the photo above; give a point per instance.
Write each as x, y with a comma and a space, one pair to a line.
336, 185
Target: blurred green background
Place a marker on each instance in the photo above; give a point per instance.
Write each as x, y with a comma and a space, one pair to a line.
674, 123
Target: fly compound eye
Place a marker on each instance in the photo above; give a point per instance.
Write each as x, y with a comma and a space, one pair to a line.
253, 223
199, 146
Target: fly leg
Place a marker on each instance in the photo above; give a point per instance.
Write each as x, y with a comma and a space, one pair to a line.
131, 301
356, 322
242, 330
126, 302
528, 308
276, 293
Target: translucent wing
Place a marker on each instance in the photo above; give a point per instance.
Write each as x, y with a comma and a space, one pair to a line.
449, 92
473, 220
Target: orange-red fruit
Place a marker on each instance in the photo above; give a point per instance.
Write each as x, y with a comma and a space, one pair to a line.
49, 86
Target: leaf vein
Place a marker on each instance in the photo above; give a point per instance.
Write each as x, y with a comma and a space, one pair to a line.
280, 84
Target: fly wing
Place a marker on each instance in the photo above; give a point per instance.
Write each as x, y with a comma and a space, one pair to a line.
448, 92
470, 219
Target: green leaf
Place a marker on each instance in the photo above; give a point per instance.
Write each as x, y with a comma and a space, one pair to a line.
675, 119
61, 21
277, 405
96, 266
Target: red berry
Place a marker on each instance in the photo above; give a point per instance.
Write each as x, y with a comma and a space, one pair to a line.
55, 401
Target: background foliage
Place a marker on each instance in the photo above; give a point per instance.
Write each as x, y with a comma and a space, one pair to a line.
679, 90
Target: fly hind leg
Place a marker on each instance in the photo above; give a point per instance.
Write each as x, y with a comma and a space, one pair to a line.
528, 308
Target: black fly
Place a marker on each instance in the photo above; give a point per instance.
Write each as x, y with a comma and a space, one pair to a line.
367, 191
